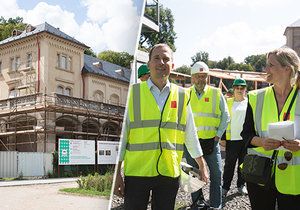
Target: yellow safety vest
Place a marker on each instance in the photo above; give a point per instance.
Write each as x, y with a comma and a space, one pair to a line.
155, 139
228, 130
206, 111
265, 111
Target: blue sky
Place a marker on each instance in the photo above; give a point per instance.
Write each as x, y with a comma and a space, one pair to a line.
236, 28
100, 24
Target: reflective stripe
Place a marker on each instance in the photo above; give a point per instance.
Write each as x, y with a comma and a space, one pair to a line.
293, 161
155, 123
258, 111
201, 114
136, 102
206, 128
214, 98
154, 146
297, 110
254, 152
180, 103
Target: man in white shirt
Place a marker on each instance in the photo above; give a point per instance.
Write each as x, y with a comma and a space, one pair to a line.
157, 174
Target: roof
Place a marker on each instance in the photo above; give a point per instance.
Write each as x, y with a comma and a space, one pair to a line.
293, 25
105, 69
44, 27
231, 74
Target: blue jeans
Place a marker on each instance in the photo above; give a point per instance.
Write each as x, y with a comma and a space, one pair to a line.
214, 162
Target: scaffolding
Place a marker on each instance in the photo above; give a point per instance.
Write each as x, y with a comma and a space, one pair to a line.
30, 120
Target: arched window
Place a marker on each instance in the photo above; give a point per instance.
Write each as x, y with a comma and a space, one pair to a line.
98, 96
68, 91
114, 99
60, 89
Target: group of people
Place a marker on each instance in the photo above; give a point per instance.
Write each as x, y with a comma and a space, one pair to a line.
164, 123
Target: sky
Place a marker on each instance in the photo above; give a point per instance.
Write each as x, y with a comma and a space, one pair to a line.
100, 24
236, 28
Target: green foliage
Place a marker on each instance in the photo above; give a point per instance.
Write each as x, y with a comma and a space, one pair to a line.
90, 52
166, 29
120, 58
257, 61
184, 69
200, 56
96, 182
7, 26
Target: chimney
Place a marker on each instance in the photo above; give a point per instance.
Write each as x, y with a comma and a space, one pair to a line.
98, 64
29, 28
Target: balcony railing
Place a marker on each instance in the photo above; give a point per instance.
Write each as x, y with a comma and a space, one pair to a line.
61, 100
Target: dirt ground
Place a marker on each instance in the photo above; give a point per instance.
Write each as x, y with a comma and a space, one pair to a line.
47, 197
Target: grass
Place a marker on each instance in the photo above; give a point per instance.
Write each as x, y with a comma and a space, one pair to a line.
8, 179
84, 192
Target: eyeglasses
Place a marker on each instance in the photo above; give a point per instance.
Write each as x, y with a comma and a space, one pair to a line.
288, 156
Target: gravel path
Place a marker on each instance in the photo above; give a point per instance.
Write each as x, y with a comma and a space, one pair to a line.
233, 201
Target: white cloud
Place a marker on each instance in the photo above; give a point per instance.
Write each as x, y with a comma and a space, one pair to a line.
239, 40
110, 25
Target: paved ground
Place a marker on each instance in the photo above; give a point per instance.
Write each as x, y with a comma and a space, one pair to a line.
47, 197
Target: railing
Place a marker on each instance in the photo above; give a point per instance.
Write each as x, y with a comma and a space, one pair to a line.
152, 10
61, 100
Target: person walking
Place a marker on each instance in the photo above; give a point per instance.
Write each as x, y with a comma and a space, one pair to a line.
158, 123
211, 118
276, 103
234, 145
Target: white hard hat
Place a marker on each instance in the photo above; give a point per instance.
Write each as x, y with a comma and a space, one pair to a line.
199, 67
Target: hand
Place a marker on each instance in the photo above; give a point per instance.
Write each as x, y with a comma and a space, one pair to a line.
119, 185
292, 145
217, 138
270, 144
202, 169
223, 143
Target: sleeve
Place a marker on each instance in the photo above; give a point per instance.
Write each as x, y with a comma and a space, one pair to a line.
224, 117
192, 142
248, 131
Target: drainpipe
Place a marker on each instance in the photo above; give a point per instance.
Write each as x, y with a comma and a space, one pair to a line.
39, 61
83, 86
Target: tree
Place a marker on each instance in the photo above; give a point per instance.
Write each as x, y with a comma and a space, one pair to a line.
120, 58
166, 32
7, 26
257, 61
200, 56
225, 63
90, 52
184, 69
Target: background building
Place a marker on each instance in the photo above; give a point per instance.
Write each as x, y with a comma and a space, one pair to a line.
51, 90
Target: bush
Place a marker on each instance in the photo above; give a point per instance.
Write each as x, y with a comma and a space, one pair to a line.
96, 182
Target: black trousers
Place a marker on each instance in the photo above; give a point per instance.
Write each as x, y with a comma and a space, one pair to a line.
235, 151
265, 199
137, 192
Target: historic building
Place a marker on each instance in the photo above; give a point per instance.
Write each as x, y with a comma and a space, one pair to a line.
50, 89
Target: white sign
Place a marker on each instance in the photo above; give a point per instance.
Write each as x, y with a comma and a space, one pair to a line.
107, 152
76, 152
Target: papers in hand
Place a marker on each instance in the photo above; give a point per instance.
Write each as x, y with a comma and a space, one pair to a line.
190, 179
281, 131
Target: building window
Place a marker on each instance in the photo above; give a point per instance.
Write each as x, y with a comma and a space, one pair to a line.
98, 96
29, 60
68, 91
60, 90
15, 63
64, 61
13, 93
114, 99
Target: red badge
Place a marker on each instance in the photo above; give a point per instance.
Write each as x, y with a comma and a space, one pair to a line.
206, 99
288, 117
173, 104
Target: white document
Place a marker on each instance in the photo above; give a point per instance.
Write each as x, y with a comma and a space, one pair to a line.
282, 131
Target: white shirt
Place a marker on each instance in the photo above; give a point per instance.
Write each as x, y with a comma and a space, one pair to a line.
191, 138
238, 113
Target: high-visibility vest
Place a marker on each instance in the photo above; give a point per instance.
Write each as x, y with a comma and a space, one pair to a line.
230, 102
265, 111
206, 111
156, 138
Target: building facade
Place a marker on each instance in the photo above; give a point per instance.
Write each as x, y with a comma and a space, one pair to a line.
50, 89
